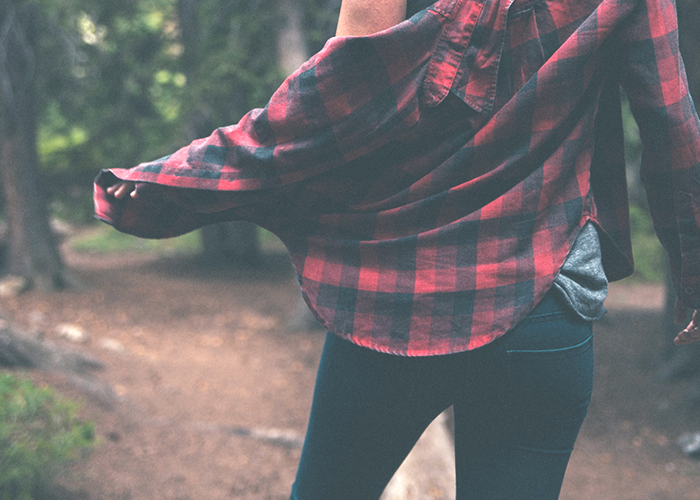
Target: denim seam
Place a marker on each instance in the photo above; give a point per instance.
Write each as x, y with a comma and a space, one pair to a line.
561, 349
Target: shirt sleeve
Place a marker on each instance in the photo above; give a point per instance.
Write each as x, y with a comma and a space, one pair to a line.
351, 98
653, 75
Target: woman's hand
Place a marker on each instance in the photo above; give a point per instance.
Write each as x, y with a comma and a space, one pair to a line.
691, 333
123, 188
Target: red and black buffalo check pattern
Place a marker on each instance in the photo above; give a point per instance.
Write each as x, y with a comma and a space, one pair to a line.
429, 180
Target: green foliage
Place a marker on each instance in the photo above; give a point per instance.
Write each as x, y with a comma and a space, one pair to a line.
320, 19
142, 78
633, 141
120, 102
118, 98
104, 239
230, 60
649, 256
139, 77
39, 432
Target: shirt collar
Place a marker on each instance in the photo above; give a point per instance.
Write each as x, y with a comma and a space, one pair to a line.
466, 58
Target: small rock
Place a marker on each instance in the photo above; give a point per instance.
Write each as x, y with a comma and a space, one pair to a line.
11, 286
112, 345
114, 436
73, 333
690, 444
61, 228
36, 318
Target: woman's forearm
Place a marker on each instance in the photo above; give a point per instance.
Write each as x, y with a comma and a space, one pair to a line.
364, 17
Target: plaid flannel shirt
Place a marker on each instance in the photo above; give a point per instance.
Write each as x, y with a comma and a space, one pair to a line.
429, 180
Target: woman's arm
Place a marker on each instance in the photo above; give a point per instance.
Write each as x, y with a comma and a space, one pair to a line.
357, 18
365, 17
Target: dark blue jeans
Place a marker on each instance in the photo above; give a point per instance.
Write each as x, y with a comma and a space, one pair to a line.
519, 403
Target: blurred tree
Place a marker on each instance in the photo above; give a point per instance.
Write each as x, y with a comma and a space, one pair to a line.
235, 54
220, 64
27, 35
137, 79
124, 102
84, 84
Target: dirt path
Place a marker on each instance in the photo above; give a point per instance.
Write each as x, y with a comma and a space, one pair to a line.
211, 394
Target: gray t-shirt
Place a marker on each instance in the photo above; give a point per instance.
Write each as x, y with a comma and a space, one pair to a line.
582, 281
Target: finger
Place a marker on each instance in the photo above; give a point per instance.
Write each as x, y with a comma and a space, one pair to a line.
691, 333
122, 190
114, 189
687, 337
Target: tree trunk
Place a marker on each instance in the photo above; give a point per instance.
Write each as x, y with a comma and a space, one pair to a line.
235, 243
229, 242
291, 44
292, 52
33, 249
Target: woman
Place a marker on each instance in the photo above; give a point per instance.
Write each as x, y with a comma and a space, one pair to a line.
452, 191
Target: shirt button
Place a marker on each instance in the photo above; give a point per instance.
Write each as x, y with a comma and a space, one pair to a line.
689, 290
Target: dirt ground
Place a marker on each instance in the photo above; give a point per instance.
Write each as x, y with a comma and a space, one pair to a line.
205, 395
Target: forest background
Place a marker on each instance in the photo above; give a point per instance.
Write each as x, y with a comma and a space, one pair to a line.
94, 84
91, 84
